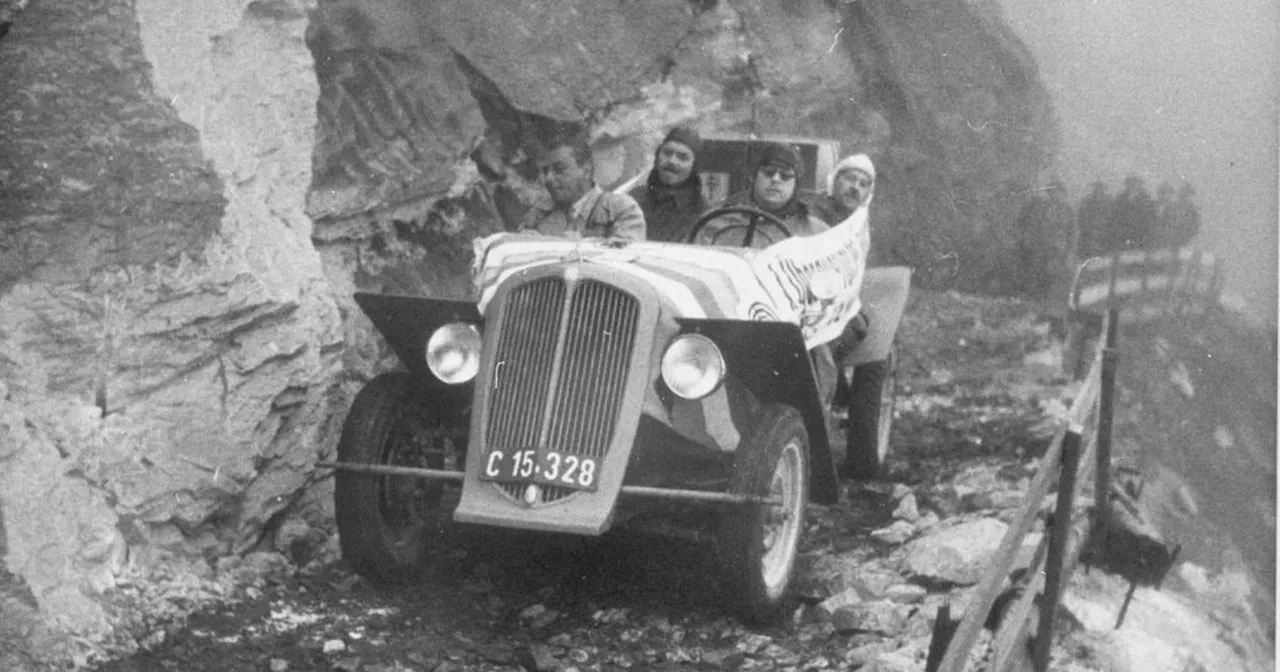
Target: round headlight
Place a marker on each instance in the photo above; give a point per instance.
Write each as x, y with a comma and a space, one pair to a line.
692, 366
453, 353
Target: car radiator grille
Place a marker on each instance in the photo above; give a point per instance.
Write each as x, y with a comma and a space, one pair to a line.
564, 399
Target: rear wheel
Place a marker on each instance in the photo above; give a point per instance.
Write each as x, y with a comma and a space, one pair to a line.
385, 523
871, 403
758, 542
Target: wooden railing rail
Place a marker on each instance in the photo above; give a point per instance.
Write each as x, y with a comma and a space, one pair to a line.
1069, 458
1147, 283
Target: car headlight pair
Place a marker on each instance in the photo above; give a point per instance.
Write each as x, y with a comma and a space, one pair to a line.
693, 366
453, 353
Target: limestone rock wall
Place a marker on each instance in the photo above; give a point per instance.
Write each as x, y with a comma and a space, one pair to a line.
169, 344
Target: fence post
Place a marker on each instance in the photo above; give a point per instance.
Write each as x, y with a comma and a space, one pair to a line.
1053, 578
1215, 286
1193, 284
943, 630
1106, 394
1175, 269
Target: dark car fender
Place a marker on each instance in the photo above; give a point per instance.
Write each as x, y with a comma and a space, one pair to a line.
770, 360
407, 322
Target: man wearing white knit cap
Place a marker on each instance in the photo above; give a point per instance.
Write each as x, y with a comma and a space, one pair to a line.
850, 186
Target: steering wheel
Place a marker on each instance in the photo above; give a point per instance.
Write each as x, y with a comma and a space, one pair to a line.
751, 226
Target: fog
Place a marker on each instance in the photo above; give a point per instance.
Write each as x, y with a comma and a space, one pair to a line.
1172, 92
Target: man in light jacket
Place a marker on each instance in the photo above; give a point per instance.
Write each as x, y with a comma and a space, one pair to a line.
580, 209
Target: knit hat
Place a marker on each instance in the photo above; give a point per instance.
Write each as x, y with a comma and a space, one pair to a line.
779, 155
685, 136
860, 162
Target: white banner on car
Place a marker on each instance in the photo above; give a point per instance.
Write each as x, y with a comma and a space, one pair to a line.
815, 281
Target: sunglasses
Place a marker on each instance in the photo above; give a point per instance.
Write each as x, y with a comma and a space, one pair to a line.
780, 173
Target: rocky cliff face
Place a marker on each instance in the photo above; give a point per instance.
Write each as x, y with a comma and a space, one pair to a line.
190, 198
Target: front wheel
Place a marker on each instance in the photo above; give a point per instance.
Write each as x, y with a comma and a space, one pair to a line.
758, 542
871, 405
385, 523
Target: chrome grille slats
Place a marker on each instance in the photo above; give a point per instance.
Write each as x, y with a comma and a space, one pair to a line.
523, 363
600, 338
568, 403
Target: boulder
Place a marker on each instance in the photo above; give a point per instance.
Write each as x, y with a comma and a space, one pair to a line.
829, 575
948, 499
905, 593
957, 554
882, 617
998, 499
896, 533
845, 598
859, 657
907, 509
893, 661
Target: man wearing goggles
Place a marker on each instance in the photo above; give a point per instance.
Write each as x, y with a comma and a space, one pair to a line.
774, 188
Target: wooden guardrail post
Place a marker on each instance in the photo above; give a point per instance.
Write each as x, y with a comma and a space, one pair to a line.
1054, 578
1106, 414
1175, 267
1193, 281
1215, 284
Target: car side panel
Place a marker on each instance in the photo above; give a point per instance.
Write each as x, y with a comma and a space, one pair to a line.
884, 298
769, 359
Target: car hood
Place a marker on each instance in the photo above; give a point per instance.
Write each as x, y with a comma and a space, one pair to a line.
813, 282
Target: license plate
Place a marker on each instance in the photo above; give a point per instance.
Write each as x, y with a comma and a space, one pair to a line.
548, 468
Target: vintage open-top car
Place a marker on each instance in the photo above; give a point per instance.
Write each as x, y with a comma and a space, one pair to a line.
593, 377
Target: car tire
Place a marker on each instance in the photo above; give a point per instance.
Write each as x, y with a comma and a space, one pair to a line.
385, 523
758, 543
871, 405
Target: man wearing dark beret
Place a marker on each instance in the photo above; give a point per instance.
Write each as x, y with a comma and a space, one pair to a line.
672, 196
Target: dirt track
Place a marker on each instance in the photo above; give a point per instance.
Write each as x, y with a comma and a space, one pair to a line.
972, 398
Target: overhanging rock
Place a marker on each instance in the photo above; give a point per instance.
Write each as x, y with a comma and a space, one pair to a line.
169, 364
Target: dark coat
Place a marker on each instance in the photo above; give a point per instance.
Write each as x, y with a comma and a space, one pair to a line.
669, 212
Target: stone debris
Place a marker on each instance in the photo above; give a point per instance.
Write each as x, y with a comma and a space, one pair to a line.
614, 615
907, 509
347, 665
905, 593
860, 656
896, 533
845, 598
927, 522
542, 658
538, 616
997, 499
957, 554
894, 661
752, 643
882, 617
